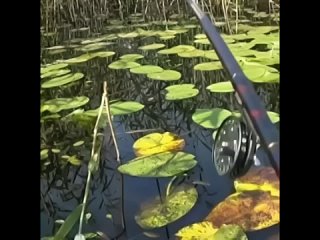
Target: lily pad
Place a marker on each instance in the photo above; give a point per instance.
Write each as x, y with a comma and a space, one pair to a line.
192, 53
94, 46
125, 107
121, 64
251, 210
80, 59
157, 143
177, 49
197, 231
131, 57
221, 87
165, 75
168, 37
204, 41
181, 91
208, 66
52, 67
260, 178
152, 46
230, 232
103, 54
211, 54
274, 117
59, 81
200, 36
128, 35
165, 164
58, 104
56, 73
210, 118
176, 205
146, 69
44, 154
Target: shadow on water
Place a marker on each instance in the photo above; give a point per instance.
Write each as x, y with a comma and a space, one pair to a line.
62, 187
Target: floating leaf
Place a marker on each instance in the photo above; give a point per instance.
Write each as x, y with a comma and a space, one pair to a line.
192, 53
197, 231
167, 37
181, 91
54, 150
274, 117
67, 226
165, 75
200, 36
131, 57
263, 29
58, 104
221, 87
176, 205
55, 73
203, 41
79, 59
59, 81
74, 160
166, 164
210, 118
51, 116
230, 232
251, 210
146, 69
211, 54
128, 35
95, 46
152, 46
77, 144
208, 66
52, 67
157, 143
103, 54
127, 107
121, 64
260, 178
177, 49
44, 154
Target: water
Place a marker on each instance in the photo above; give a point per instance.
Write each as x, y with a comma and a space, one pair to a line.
62, 187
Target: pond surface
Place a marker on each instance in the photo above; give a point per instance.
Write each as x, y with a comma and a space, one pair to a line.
63, 182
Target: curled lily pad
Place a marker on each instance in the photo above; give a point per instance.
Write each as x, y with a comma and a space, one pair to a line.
208, 66
121, 64
192, 53
59, 81
176, 205
56, 73
165, 75
181, 91
251, 210
230, 232
221, 87
157, 143
165, 164
197, 231
131, 57
52, 67
58, 104
261, 178
146, 69
210, 118
152, 46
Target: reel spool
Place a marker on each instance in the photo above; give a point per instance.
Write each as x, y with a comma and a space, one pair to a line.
234, 148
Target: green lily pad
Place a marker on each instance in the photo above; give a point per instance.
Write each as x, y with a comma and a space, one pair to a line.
103, 54
58, 104
208, 66
221, 87
165, 75
274, 117
52, 67
200, 36
94, 46
56, 73
181, 91
176, 205
190, 26
146, 69
168, 37
177, 49
131, 57
230, 232
211, 54
152, 46
44, 154
128, 35
121, 64
263, 29
261, 75
80, 59
56, 47
192, 53
59, 81
203, 41
210, 118
165, 164
79, 143
51, 116
123, 108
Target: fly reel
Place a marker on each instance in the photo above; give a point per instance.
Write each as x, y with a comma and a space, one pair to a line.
234, 148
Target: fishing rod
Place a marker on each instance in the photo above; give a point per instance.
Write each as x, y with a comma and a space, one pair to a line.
253, 110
